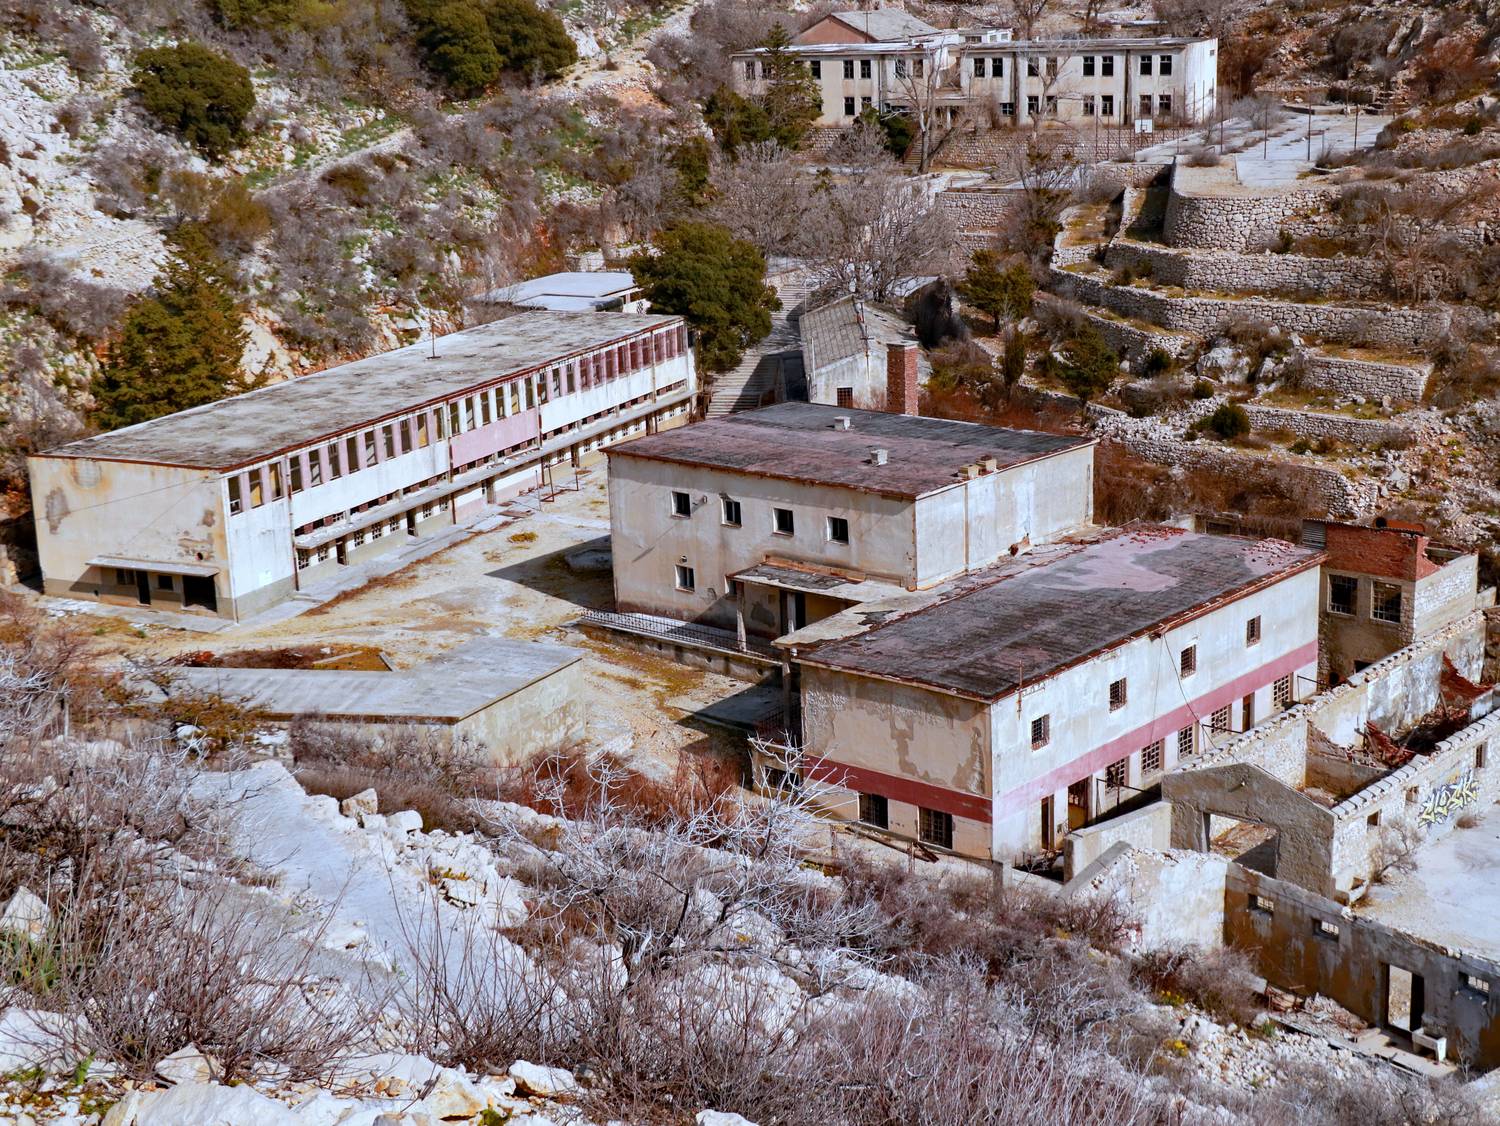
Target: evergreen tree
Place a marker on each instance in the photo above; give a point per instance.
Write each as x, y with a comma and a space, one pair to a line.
735, 120
716, 281
529, 39
791, 100
1089, 365
457, 47
997, 290
1013, 360
199, 94
179, 346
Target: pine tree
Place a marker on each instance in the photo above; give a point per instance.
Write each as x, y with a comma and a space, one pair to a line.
791, 100
1089, 367
179, 346
1013, 360
996, 290
716, 281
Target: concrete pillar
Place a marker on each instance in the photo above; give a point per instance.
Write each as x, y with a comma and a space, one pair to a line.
901, 378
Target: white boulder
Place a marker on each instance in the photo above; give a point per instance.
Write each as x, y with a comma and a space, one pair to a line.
200, 1104
25, 915
406, 821
544, 1082
366, 801
188, 1065
721, 1118
31, 1038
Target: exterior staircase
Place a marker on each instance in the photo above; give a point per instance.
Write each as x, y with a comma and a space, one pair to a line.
767, 367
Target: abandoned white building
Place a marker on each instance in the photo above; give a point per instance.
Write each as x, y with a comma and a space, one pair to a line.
848, 349
233, 506
887, 61
770, 519
511, 699
574, 291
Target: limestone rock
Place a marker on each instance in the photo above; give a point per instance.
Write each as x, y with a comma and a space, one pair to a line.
188, 1065
1224, 363
721, 1118
455, 1095
407, 821
200, 1104
366, 801
534, 1079
32, 1038
25, 915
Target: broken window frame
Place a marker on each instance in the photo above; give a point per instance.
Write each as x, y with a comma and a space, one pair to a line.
1386, 603
935, 827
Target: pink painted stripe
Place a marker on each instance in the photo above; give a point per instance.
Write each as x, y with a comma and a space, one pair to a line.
1160, 728
862, 780
977, 808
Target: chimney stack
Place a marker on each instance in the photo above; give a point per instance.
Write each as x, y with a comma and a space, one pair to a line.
901, 377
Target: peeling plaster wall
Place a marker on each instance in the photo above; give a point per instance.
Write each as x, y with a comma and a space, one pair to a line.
1150, 827
90, 507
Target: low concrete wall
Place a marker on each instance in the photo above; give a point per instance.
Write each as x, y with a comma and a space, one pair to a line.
1175, 898
1149, 827
1276, 923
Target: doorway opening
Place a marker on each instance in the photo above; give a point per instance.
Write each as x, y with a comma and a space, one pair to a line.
1248, 843
198, 590
1078, 803
1049, 830
1405, 998
143, 587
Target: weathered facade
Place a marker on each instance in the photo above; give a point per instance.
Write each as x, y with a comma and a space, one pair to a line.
901, 65
848, 347
1040, 695
232, 506
771, 519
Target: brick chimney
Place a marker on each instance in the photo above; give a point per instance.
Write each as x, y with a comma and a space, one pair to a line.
901, 378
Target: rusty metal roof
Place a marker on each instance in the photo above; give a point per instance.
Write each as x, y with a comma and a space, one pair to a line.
799, 442
298, 412
986, 641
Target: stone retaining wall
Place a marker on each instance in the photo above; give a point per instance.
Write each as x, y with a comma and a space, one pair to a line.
1130, 342
1364, 432
1343, 498
1206, 317
1232, 221
1365, 377
1224, 271
978, 209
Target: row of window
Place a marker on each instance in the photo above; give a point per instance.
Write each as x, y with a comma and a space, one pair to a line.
783, 520
934, 826
348, 455
1385, 598
1160, 105
1102, 66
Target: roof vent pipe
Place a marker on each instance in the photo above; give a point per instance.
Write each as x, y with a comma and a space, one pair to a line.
842, 422
879, 457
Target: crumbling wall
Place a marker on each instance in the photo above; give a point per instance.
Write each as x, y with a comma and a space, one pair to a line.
1176, 898
1133, 342
1149, 827
1277, 923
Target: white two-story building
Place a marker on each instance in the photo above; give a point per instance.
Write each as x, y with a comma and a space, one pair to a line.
233, 506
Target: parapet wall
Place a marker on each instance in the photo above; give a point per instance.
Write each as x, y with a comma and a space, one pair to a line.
1232, 218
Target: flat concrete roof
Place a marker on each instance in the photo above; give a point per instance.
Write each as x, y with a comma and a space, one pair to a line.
302, 411
446, 689
1026, 623
574, 289
799, 442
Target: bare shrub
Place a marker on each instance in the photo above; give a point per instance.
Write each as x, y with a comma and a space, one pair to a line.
72, 304
1395, 848
1217, 980
1203, 156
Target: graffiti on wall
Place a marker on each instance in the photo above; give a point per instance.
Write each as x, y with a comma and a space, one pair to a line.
1446, 800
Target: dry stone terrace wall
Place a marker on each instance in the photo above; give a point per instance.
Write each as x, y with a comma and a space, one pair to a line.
979, 210
1342, 497
1314, 424
1130, 341
1365, 377
1224, 271
1234, 220
1399, 328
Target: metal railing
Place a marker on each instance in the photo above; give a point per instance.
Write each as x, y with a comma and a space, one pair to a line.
681, 633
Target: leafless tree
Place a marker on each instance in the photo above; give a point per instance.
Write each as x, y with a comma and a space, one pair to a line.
871, 230
1092, 10
1049, 173
922, 84
1028, 13
764, 197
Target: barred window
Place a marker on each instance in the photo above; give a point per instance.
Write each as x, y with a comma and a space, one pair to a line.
1281, 692
1187, 741
936, 827
1252, 631
1187, 660
1041, 731
1151, 758
1219, 721
1117, 695
1115, 773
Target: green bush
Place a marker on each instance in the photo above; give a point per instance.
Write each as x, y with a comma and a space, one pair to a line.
470, 45
199, 94
1203, 389
309, 15
1158, 361
897, 127
735, 120
1229, 422
1089, 365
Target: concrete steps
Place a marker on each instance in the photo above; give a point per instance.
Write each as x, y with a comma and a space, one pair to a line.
765, 367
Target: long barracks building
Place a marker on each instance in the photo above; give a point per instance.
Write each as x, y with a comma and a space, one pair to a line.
232, 506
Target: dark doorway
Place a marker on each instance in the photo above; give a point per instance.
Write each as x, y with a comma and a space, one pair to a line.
143, 587
1249, 843
198, 590
1405, 998
1078, 803
1049, 831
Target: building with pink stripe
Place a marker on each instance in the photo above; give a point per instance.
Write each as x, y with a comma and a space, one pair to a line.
234, 506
